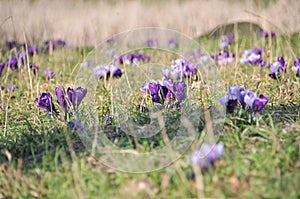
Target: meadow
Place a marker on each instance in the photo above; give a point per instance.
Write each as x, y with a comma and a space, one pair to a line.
42, 154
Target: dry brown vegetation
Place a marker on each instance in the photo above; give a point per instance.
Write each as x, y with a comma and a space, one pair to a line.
89, 22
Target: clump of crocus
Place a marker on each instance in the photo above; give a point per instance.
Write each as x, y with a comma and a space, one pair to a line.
151, 43
156, 90
107, 71
276, 67
32, 50
223, 57
226, 40
12, 44
265, 34
16, 61
180, 69
133, 58
54, 44
49, 74
245, 97
253, 57
172, 92
207, 155
73, 97
295, 68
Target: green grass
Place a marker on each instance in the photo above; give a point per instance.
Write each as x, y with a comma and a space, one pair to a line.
261, 159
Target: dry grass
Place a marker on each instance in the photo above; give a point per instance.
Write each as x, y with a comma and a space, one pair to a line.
89, 22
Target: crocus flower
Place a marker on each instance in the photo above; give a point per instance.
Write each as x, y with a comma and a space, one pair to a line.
226, 40
260, 102
245, 97
157, 91
134, 58
179, 69
276, 67
87, 63
45, 102
33, 50
61, 99
151, 43
76, 96
176, 89
223, 57
206, 156
230, 100
11, 44
172, 43
295, 68
105, 71
1, 68
34, 67
253, 57
49, 74
264, 34
54, 44
12, 87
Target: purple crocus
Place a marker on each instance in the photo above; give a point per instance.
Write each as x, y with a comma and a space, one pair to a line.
34, 67
12, 87
172, 43
295, 68
54, 44
179, 69
245, 97
276, 67
76, 96
230, 100
206, 156
45, 102
61, 99
105, 71
151, 43
253, 57
157, 91
87, 63
32, 50
11, 44
265, 34
260, 102
226, 40
49, 74
133, 58
1, 68
223, 57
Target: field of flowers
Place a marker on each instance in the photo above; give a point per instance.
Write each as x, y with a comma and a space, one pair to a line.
256, 155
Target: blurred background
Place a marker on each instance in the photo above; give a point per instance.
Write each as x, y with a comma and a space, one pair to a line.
88, 22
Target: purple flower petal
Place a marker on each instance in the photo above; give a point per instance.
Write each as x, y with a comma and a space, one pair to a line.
260, 102
45, 102
61, 99
76, 96
206, 156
